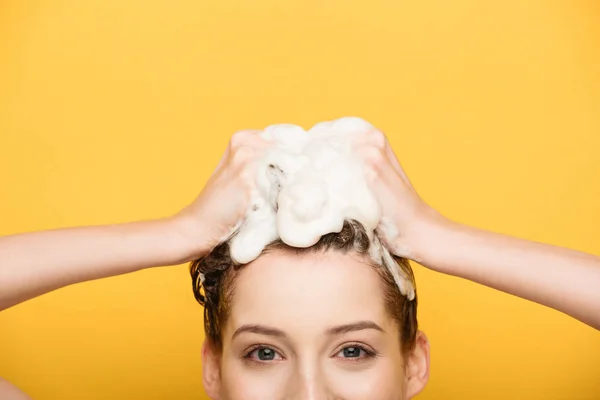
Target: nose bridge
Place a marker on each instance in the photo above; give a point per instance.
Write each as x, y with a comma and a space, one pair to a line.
311, 382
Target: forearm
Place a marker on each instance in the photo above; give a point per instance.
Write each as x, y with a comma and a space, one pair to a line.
566, 280
35, 263
10, 392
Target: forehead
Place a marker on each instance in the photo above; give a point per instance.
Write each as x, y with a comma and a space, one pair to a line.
307, 291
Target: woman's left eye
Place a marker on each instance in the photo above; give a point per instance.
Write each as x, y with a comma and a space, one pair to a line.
354, 352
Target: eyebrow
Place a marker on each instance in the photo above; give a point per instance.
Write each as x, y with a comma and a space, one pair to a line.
353, 327
336, 330
260, 329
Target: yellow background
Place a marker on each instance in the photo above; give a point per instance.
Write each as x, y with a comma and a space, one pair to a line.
112, 111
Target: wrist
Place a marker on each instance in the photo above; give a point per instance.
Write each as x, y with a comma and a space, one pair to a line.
422, 240
191, 240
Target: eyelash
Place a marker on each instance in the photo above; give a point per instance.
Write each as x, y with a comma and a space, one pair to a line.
369, 353
252, 349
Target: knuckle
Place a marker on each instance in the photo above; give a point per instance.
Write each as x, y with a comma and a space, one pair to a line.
239, 139
245, 138
377, 138
241, 155
374, 155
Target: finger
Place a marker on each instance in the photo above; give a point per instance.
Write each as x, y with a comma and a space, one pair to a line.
239, 139
223, 159
392, 156
396, 163
242, 138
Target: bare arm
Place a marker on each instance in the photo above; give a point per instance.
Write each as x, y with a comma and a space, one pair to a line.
566, 280
10, 392
563, 279
35, 263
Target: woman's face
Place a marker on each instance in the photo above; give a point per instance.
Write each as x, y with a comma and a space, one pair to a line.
311, 326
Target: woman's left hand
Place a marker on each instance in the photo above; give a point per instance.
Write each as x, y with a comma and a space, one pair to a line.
564, 279
404, 213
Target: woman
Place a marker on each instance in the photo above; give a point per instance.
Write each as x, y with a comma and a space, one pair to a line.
296, 324
323, 322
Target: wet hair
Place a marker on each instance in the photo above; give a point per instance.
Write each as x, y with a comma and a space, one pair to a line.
213, 279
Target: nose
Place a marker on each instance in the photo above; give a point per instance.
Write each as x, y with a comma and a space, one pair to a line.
310, 384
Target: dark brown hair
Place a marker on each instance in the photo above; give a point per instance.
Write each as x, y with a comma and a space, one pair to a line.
219, 271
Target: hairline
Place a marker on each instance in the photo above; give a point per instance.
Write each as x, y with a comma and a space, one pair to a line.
231, 275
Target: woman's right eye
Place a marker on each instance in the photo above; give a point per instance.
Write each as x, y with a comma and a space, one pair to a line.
263, 354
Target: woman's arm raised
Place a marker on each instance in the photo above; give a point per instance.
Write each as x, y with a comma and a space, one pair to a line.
35, 263
566, 280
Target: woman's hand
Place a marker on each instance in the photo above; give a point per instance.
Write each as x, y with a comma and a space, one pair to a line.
38, 262
563, 279
221, 206
405, 216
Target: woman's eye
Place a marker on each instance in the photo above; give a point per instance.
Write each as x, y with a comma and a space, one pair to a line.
264, 354
353, 352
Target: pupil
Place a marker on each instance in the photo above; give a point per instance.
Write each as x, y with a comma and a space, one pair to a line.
266, 354
352, 352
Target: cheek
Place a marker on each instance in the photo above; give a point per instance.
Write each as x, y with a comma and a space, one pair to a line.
384, 381
242, 382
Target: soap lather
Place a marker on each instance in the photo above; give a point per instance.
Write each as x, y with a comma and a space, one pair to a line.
308, 184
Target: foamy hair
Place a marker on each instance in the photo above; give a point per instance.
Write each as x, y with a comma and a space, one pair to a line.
308, 184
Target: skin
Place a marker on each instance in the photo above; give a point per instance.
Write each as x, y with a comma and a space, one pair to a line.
11, 392
307, 310
38, 262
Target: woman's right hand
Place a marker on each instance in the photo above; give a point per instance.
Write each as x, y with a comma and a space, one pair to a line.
221, 206
38, 262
